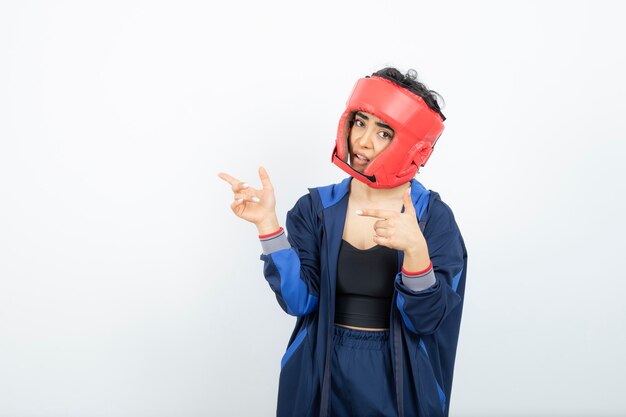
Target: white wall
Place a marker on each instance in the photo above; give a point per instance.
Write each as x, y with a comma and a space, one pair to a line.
128, 288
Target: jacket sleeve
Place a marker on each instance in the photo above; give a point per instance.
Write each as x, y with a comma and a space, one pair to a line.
293, 271
424, 311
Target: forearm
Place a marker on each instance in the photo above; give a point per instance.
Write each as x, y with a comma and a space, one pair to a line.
417, 269
293, 271
275, 241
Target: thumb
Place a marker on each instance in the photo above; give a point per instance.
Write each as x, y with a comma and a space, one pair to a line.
408, 203
265, 178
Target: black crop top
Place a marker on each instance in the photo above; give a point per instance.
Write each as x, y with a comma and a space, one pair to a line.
365, 285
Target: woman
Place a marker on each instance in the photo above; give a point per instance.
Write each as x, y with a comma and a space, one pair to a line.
373, 269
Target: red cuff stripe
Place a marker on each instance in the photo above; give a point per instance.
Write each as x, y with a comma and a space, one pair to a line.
279, 231
405, 272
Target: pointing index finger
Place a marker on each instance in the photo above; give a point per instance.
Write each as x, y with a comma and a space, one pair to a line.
228, 178
378, 213
234, 182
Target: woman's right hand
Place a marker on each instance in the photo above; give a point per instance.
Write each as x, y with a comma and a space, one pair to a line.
255, 206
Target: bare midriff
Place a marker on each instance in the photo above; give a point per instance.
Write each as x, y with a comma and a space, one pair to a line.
368, 329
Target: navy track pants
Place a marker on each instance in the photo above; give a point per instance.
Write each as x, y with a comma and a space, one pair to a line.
362, 379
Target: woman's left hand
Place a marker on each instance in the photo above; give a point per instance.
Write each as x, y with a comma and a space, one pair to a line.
395, 230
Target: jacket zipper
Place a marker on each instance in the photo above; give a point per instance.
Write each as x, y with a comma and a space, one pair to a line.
324, 401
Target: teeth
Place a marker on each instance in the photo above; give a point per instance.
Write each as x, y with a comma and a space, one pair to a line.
361, 158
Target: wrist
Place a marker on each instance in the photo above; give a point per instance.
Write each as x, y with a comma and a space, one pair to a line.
271, 234
416, 259
417, 272
268, 227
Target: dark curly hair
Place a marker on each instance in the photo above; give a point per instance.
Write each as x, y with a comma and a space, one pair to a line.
409, 81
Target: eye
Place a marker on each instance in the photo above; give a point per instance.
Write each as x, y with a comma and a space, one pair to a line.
359, 123
385, 135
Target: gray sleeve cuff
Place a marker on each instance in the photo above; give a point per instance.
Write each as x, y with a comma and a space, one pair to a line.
275, 243
419, 282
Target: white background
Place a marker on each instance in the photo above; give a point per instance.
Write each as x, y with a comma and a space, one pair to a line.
127, 286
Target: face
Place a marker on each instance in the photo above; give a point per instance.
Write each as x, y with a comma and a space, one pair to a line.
369, 136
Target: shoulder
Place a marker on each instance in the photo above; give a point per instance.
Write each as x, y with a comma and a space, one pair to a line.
304, 204
439, 216
320, 198
329, 195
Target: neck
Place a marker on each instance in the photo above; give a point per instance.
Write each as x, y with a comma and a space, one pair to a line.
363, 191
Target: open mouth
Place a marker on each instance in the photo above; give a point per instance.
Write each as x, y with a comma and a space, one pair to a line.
360, 159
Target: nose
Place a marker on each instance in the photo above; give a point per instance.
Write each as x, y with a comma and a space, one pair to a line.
365, 140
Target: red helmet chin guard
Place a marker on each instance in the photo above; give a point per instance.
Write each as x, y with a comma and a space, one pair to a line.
417, 127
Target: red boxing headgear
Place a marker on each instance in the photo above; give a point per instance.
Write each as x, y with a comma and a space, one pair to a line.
417, 127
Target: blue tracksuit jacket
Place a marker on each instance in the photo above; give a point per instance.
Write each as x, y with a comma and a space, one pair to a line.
424, 325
